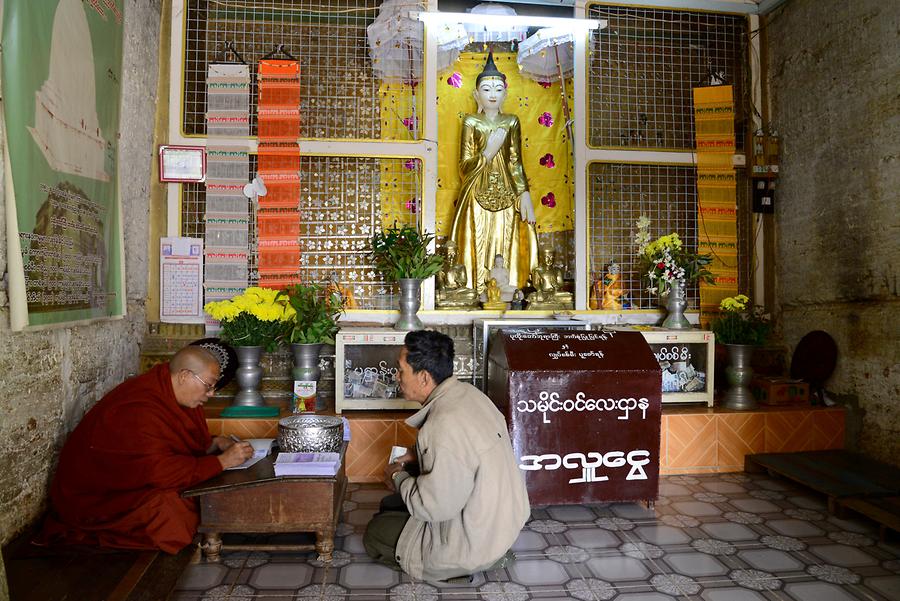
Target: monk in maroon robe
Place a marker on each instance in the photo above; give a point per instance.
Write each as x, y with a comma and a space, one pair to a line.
122, 470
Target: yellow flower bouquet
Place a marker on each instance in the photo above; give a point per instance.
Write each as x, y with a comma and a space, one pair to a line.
740, 323
254, 318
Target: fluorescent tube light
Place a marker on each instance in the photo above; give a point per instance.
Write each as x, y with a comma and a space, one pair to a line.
434, 18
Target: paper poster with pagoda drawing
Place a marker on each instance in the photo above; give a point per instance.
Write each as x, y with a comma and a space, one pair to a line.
61, 86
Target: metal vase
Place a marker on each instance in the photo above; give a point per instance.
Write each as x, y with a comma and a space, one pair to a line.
739, 373
248, 376
306, 362
676, 305
409, 305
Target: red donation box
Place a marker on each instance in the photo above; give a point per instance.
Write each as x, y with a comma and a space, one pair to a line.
583, 410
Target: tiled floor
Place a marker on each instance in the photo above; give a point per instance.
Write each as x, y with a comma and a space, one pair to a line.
716, 537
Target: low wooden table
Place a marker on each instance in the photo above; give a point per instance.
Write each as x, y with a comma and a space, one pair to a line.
253, 500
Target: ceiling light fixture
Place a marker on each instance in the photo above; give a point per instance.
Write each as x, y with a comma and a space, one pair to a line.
435, 18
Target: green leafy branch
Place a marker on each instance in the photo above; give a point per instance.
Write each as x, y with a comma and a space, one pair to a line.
402, 252
316, 314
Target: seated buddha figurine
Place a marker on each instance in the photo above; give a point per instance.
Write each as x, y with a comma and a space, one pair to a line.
500, 273
612, 289
493, 302
452, 283
547, 280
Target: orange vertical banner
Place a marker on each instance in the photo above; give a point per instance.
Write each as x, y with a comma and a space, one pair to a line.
278, 130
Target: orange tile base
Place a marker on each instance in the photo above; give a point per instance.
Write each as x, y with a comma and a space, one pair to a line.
693, 439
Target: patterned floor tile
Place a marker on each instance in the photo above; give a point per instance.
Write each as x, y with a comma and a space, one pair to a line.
662, 535
732, 594
696, 564
889, 586
817, 591
718, 537
771, 560
538, 571
571, 513
843, 555
284, 575
203, 576
592, 538
530, 541
368, 576
618, 568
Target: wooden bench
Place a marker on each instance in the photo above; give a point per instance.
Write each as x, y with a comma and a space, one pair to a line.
90, 574
884, 510
848, 480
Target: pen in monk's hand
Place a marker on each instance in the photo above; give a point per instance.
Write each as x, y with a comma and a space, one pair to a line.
234, 438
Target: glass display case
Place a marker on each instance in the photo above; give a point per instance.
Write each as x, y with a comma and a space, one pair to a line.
366, 371
686, 358
483, 330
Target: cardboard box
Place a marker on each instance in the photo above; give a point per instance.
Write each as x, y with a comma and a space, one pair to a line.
779, 391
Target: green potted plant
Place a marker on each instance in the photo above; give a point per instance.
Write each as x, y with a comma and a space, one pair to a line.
740, 327
313, 322
401, 254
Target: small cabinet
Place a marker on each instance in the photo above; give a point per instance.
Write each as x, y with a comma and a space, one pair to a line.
366, 370
686, 359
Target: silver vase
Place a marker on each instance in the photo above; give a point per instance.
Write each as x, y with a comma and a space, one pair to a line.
409, 305
306, 362
248, 376
676, 305
306, 369
739, 373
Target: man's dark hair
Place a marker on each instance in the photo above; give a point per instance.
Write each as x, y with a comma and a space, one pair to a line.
431, 351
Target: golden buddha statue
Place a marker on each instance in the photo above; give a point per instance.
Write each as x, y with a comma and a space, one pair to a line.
547, 279
452, 291
612, 289
493, 214
493, 302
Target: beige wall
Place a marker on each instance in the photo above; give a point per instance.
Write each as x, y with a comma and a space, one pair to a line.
833, 69
50, 378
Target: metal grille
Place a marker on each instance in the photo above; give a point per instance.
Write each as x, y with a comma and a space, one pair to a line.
339, 93
620, 194
343, 200
642, 68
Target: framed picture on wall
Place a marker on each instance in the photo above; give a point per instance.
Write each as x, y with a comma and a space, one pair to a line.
182, 163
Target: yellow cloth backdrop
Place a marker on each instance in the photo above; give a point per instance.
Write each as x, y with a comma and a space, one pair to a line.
400, 179
527, 99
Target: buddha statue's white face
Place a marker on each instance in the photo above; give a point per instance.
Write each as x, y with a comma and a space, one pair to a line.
490, 94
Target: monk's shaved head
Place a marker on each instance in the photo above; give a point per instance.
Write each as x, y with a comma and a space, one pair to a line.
195, 359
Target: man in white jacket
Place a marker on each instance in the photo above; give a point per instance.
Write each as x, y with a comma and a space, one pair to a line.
461, 499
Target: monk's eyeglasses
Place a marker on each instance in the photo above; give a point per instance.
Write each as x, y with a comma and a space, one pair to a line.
209, 387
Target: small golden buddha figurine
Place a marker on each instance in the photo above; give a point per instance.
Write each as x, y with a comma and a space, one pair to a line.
348, 301
612, 289
547, 280
452, 283
493, 302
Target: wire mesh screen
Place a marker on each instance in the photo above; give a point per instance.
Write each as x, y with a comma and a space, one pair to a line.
620, 194
339, 92
343, 201
643, 65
